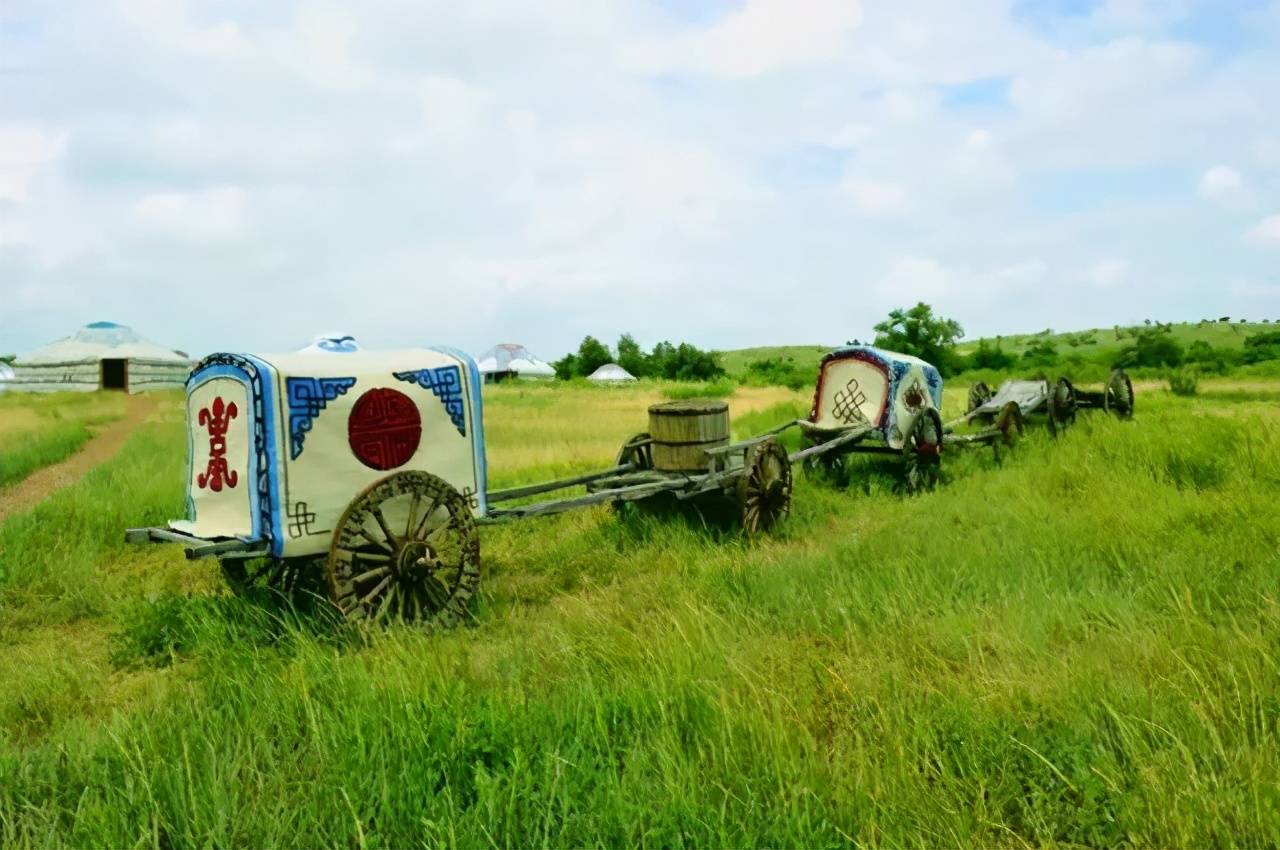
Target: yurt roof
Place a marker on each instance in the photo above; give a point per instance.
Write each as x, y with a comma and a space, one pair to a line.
100, 341
510, 357
611, 372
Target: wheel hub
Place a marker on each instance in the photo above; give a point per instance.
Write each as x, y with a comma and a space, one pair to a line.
414, 556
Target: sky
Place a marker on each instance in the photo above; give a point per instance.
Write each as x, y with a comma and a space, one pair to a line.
246, 175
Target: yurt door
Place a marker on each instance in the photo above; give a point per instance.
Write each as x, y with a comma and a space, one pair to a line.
115, 374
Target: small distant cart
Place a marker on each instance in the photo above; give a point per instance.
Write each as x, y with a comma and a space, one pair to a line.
1058, 401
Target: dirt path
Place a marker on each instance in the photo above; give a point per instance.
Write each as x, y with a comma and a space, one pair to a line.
101, 447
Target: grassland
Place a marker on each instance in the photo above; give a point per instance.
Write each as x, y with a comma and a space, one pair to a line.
39, 430
1077, 647
1098, 344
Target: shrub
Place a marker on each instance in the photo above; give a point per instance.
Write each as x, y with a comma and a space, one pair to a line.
990, 357
1261, 346
1184, 381
1151, 347
716, 389
779, 372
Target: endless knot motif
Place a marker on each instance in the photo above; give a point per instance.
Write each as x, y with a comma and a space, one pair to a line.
307, 397
217, 419
848, 403
384, 429
446, 383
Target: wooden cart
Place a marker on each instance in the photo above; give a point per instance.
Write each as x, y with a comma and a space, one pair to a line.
366, 472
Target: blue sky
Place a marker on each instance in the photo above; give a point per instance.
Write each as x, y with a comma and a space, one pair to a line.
246, 176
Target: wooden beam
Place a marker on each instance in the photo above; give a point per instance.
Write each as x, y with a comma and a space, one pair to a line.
560, 484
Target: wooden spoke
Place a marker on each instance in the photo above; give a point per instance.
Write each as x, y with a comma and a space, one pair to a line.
413, 514
428, 574
764, 490
382, 523
373, 573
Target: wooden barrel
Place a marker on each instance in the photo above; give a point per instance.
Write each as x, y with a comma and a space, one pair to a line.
683, 430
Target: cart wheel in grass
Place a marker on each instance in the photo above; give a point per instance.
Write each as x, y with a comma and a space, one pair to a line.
638, 451
406, 548
1010, 425
1118, 395
1062, 406
764, 490
979, 394
922, 452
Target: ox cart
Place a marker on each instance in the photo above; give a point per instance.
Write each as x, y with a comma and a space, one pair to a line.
368, 469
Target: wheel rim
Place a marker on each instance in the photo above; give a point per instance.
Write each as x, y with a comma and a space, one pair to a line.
979, 394
922, 452
1118, 397
637, 451
406, 548
1062, 406
764, 490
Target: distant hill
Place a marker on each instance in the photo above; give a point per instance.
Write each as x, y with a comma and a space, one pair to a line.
1089, 343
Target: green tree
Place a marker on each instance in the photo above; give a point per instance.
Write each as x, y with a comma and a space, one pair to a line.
990, 357
632, 357
591, 355
1042, 353
1262, 346
921, 333
1151, 347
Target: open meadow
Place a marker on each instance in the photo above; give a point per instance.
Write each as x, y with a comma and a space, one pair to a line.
1079, 645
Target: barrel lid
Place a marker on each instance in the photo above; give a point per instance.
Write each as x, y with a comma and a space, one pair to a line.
689, 407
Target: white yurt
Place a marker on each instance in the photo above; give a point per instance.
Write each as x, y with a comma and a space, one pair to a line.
6, 375
101, 356
510, 360
610, 373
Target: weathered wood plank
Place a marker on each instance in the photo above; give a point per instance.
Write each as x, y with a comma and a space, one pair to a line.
831, 445
559, 484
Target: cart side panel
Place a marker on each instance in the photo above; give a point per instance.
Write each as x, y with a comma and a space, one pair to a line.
355, 418
852, 390
223, 461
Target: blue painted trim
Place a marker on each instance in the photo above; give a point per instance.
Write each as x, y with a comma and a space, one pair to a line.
197, 379
269, 377
477, 423
306, 398
445, 383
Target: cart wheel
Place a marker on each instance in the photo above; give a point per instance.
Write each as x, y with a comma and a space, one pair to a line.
637, 450
1118, 395
1062, 406
922, 452
764, 489
425, 572
1010, 425
979, 394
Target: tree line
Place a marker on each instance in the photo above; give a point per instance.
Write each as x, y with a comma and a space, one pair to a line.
683, 362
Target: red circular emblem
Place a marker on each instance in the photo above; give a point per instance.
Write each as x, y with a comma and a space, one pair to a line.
384, 429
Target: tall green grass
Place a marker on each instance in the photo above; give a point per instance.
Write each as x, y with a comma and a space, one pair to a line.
53, 443
1075, 647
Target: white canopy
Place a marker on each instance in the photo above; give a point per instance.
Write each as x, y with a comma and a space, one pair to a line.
100, 341
510, 357
611, 372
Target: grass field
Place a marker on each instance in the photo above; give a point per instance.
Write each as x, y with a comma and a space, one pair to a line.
38, 430
1077, 647
1103, 344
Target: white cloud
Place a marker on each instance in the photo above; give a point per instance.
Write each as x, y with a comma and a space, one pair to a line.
1220, 183
1265, 233
210, 215
763, 36
24, 150
1108, 272
876, 197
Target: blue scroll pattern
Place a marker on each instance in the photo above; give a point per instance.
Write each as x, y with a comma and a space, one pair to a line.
446, 383
306, 398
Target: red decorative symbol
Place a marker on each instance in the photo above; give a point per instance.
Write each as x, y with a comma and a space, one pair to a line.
217, 419
384, 429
